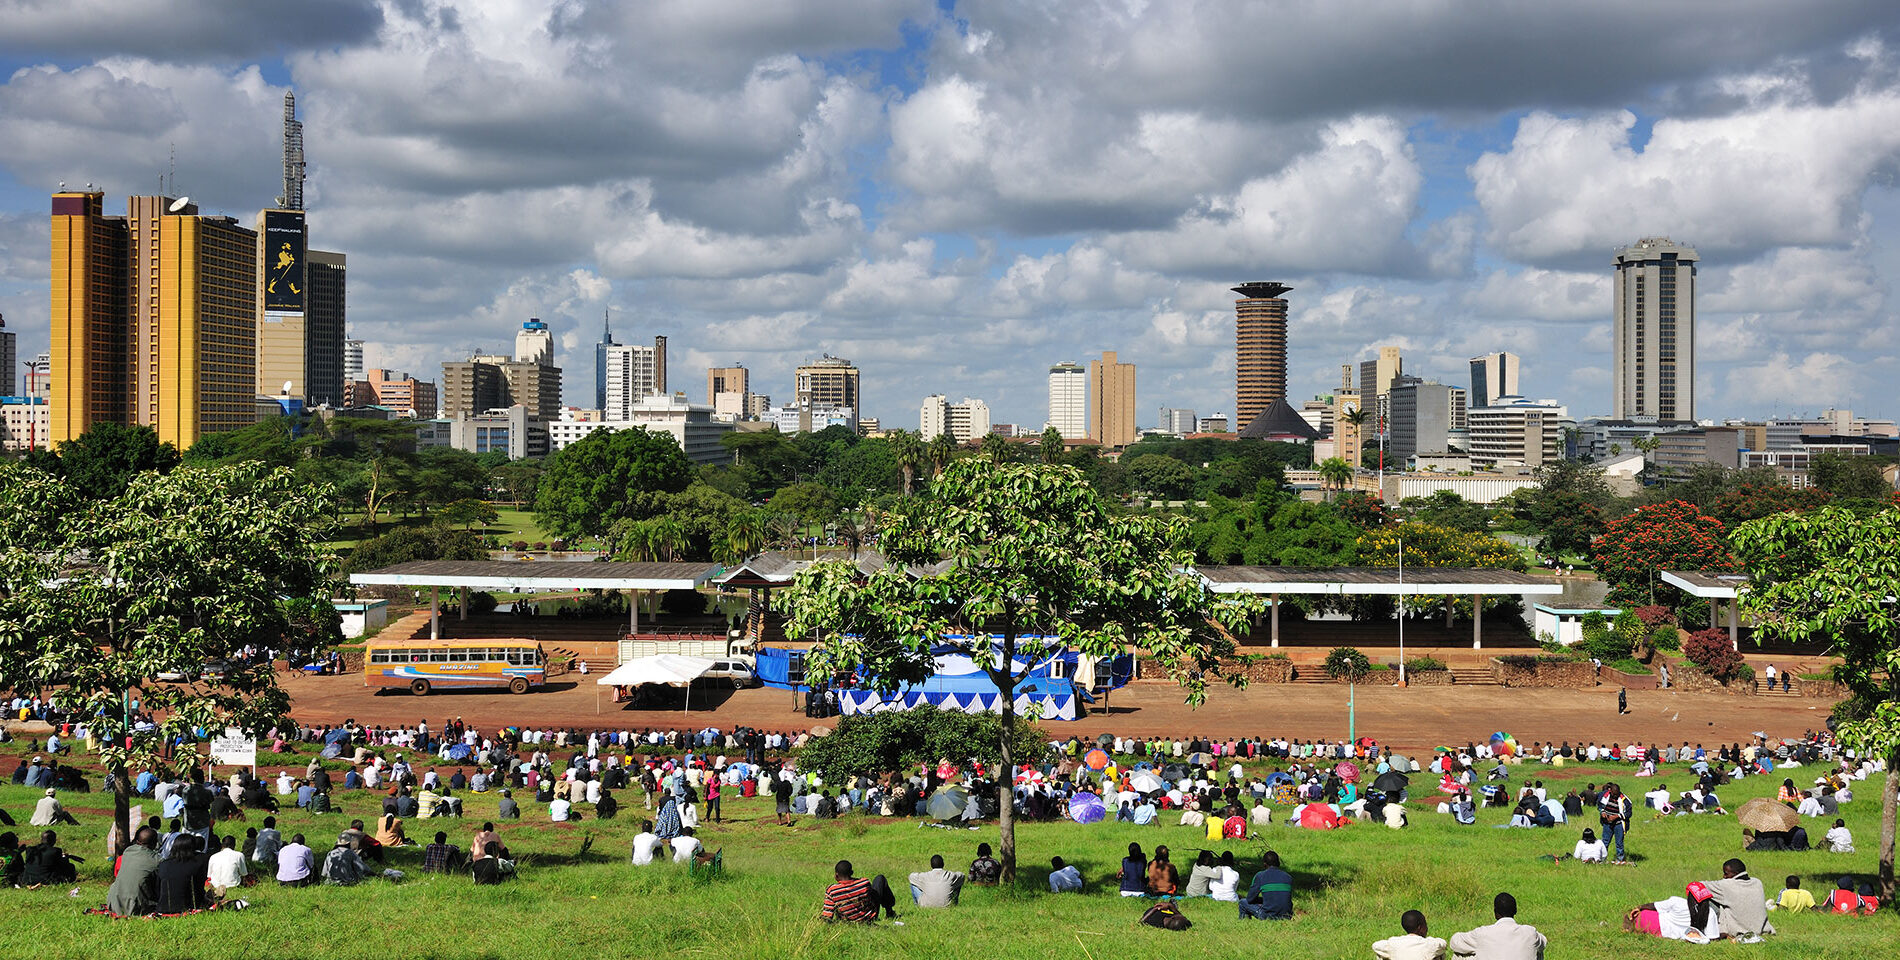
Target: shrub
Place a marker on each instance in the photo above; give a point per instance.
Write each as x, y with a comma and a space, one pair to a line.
1602, 641
1346, 663
1630, 629
1654, 615
1629, 665
1276, 656
481, 603
878, 743
1422, 664
1710, 651
1744, 674
539, 546
1666, 637
518, 546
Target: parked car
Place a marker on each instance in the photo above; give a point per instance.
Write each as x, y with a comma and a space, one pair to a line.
736, 669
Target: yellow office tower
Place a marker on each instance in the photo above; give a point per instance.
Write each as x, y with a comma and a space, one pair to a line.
88, 316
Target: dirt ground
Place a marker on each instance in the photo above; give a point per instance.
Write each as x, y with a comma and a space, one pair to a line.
1416, 718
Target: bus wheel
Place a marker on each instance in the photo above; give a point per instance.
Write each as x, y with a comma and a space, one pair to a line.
419, 687
518, 685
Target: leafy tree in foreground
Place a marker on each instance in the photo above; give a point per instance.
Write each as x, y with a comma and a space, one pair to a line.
183, 569
1020, 553
101, 462
1834, 574
589, 485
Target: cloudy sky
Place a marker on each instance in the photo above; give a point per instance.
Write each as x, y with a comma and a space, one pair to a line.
956, 195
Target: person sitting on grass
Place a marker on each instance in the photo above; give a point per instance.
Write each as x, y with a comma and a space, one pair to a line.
478, 847
1133, 876
227, 869
507, 808
1063, 878
1504, 937
441, 856
1415, 944
1590, 849
856, 900
1670, 919
1839, 840
48, 812
134, 891
1793, 899
1270, 895
1200, 879
645, 844
389, 831
1844, 899
1743, 903
181, 878
45, 863
688, 849
343, 866
985, 870
936, 887
1225, 886
1163, 879
492, 869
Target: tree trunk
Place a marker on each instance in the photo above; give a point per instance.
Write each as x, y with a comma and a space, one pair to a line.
121, 799
1889, 798
1005, 792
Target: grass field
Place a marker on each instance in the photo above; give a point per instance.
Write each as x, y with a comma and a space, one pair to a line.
512, 524
1351, 886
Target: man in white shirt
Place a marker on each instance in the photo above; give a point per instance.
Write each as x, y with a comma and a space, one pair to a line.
936, 887
1063, 878
286, 785
645, 844
226, 869
1505, 939
687, 848
1414, 945
558, 809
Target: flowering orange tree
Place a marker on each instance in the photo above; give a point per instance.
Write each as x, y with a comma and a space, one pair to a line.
1673, 535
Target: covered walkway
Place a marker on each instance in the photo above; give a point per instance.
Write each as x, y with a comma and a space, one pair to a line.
516, 576
1476, 583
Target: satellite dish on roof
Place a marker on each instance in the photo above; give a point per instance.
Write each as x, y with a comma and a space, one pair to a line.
286, 388
179, 204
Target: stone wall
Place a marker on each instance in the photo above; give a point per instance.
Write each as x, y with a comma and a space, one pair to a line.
1686, 677
1631, 681
1569, 674
1428, 678
1264, 670
1820, 689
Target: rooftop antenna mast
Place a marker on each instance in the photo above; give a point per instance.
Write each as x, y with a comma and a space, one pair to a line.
293, 155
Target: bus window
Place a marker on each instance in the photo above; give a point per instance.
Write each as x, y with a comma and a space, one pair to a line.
419, 656
438, 656
514, 659
458, 656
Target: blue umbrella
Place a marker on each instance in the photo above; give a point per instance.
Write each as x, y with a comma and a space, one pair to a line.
1086, 808
460, 752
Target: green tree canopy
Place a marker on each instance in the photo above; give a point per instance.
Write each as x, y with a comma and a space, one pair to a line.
1163, 478
1848, 477
1020, 553
1834, 574
182, 569
404, 544
810, 502
608, 476
872, 744
100, 463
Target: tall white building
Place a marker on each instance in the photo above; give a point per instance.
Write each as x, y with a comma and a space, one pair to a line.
352, 361
1492, 375
1069, 400
535, 343
1654, 338
632, 373
1513, 431
965, 420
1177, 421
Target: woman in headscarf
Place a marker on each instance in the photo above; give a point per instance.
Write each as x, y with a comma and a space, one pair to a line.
667, 825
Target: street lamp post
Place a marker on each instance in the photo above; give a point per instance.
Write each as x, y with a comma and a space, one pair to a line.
1401, 610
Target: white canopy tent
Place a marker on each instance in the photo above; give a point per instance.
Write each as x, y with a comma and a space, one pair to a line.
671, 669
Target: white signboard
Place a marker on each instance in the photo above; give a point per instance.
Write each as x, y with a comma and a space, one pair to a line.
234, 749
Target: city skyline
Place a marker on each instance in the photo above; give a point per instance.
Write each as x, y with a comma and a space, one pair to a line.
951, 196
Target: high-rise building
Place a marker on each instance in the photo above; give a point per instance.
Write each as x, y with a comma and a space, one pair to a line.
1493, 375
1177, 421
1375, 381
325, 312
535, 343
536, 386
633, 373
600, 359
1513, 431
1654, 338
470, 387
7, 360
282, 292
1259, 349
91, 324
964, 421
1112, 401
353, 366
1458, 408
1420, 417
402, 392
1068, 400
830, 381
720, 380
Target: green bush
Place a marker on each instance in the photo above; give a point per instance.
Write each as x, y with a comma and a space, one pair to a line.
481, 603
1346, 663
1277, 656
1744, 673
1423, 664
1629, 665
899, 740
1666, 637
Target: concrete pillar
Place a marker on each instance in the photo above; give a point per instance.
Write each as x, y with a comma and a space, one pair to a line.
1276, 620
435, 613
636, 612
1715, 608
464, 608
1477, 622
1735, 624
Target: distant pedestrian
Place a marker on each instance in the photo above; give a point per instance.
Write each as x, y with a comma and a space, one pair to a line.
1664, 671
1622, 700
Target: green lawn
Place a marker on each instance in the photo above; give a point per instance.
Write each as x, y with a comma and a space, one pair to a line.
512, 524
1352, 885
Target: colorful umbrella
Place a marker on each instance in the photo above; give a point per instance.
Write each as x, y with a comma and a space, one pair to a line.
1086, 808
1318, 816
1095, 759
1347, 772
1503, 744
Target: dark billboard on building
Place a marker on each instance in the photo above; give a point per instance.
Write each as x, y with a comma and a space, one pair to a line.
283, 260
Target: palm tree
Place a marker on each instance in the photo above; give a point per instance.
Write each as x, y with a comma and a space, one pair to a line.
851, 532
1051, 444
994, 448
669, 537
746, 534
1335, 472
938, 451
909, 453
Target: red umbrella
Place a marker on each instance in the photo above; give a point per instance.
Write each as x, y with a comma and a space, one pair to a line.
1095, 759
1347, 772
1318, 816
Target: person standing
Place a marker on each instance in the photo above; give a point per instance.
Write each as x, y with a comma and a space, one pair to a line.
1504, 939
1770, 674
1613, 813
1622, 700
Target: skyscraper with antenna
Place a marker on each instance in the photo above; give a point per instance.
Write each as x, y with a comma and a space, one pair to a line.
293, 156
600, 359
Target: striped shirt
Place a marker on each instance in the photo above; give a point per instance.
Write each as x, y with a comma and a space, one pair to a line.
849, 900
